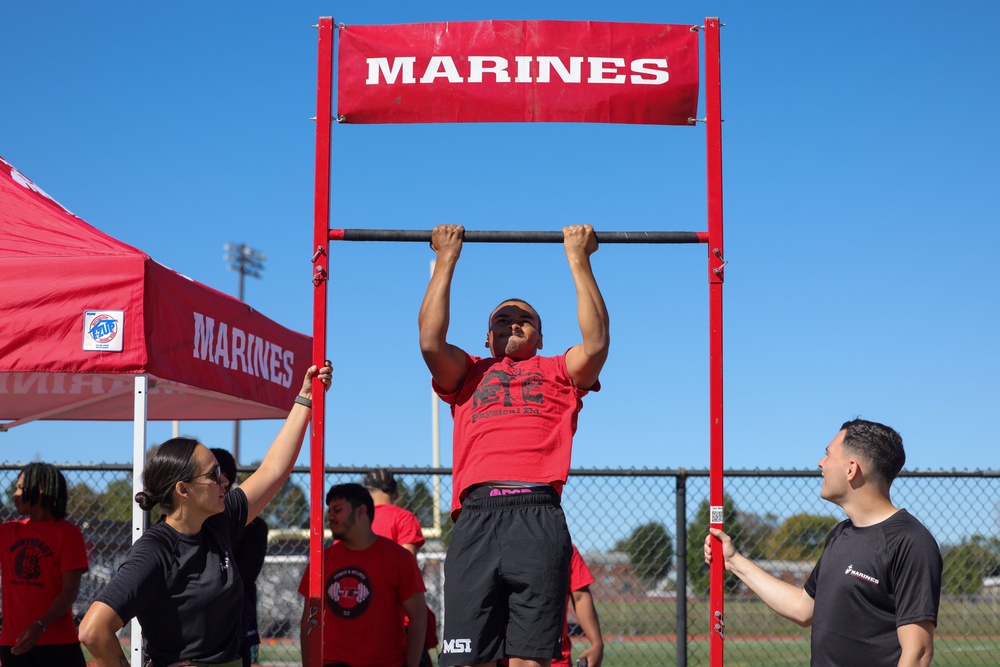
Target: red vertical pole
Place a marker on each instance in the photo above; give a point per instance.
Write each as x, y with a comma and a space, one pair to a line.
716, 276
321, 272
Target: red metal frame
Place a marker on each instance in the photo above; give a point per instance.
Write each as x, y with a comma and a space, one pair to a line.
321, 273
716, 277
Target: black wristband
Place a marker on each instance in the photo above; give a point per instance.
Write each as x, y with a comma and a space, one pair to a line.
302, 400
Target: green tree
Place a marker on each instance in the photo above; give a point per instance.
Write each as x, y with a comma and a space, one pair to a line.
967, 563
289, 508
418, 500
801, 537
116, 501
82, 501
650, 550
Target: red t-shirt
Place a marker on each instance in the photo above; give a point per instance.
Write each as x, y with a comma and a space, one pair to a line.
514, 420
363, 603
403, 527
33, 557
399, 525
579, 577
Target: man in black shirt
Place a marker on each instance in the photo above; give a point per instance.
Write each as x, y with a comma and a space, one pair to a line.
872, 598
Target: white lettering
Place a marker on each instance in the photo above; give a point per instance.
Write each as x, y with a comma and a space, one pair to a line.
204, 331
523, 69
569, 74
237, 350
441, 66
289, 359
378, 66
477, 67
457, 646
221, 355
653, 67
529, 69
599, 67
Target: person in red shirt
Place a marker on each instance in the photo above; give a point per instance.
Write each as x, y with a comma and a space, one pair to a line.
371, 584
582, 600
42, 559
402, 527
514, 414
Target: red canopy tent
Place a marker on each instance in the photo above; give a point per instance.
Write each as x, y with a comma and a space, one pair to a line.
82, 314
93, 329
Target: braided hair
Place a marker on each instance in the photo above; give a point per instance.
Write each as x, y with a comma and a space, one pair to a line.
45, 486
382, 480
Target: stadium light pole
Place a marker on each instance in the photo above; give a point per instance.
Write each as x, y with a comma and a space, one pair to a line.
247, 262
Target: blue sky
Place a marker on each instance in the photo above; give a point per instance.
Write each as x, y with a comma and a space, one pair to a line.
859, 157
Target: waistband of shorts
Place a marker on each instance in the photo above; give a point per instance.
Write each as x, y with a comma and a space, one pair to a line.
488, 496
238, 662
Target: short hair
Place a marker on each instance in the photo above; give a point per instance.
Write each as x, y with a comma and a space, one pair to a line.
881, 445
355, 494
489, 323
382, 480
226, 463
170, 463
45, 486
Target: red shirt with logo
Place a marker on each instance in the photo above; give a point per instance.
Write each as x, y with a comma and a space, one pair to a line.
514, 421
579, 578
33, 557
363, 603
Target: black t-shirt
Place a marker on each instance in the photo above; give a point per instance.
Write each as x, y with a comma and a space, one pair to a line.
250, 551
185, 590
868, 582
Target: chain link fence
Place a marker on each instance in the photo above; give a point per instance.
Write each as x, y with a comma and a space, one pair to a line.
641, 533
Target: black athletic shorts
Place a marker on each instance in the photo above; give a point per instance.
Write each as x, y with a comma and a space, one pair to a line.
506, 577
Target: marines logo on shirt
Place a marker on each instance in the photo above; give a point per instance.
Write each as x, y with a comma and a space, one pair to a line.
349, 592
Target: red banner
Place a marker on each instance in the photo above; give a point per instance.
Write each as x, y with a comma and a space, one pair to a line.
518, 71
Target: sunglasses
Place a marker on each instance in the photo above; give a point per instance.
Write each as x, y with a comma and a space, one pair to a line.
215, 474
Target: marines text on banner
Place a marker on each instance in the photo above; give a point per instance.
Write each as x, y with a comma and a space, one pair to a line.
518, 71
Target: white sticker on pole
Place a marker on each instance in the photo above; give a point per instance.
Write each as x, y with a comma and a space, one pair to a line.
103, 330
715, 514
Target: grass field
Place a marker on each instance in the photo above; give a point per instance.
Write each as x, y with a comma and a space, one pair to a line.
769, 652
639, 633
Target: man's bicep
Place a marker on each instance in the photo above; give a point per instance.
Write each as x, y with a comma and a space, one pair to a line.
447, 367
583, 368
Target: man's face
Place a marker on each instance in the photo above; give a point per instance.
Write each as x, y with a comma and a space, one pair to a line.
836, 466
341, 517
514, 331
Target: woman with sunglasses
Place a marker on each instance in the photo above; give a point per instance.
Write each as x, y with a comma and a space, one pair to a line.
180, 579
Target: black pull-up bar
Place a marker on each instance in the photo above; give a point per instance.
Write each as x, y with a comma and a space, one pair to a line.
515, 237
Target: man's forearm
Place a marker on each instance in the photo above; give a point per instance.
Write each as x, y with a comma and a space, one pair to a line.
785, 599
591, 310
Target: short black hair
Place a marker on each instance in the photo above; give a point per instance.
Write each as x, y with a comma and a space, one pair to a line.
45, 486
880, 444
355, 494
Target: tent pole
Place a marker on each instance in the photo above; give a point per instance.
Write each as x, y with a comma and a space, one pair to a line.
140, 518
